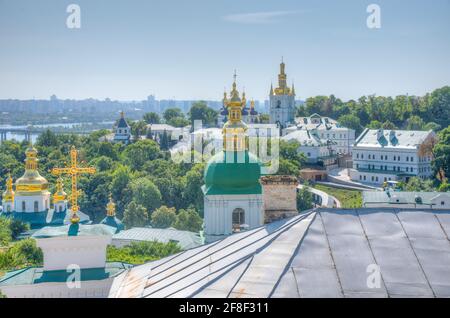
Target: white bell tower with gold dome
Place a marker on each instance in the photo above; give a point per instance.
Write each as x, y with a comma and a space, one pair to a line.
282, 101
32, 193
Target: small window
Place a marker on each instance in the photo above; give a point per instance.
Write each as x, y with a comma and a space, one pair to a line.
238, 219
36, 206
442, 203
23, 206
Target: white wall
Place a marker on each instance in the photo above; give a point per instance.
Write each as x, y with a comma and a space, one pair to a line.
219, 209
84, 251
43, 202
88, 289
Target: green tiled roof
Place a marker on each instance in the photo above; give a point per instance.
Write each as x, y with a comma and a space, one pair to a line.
74, 230
37, 275
38, 220
113, 222
185, 239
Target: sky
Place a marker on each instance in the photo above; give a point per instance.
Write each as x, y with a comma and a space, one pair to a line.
179, 49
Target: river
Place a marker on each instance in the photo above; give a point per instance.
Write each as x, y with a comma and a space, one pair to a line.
60, 126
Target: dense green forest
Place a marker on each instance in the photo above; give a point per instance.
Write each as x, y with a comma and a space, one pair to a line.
431, 111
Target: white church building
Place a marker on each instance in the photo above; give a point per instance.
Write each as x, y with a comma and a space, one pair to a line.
327, 128
391, 155
233, 199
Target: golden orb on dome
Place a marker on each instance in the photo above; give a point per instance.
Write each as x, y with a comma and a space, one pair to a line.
31, 183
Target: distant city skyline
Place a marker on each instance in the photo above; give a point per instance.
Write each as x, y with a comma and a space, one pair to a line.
188, 50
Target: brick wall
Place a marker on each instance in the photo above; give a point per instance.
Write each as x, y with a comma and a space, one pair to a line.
280, 197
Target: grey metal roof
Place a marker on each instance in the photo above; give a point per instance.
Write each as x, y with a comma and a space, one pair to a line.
320, 253
185, 239
405, 196
406, 139
305, 138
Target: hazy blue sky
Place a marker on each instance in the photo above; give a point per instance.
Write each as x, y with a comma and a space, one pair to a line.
128, 49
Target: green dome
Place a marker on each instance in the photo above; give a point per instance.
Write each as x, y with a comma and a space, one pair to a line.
232, 177
113, 222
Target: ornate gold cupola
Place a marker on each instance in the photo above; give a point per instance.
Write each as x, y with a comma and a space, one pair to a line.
235, 130
8, 195
31, 183
59, 195
111, 207
282, 88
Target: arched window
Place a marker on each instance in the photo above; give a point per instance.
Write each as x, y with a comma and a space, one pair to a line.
8, 208
60, 208
238, 219
36, 206
23, 206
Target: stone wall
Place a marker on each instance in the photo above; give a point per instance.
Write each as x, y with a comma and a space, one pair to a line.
280, 197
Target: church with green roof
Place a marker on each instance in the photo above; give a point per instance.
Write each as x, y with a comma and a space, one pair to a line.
233, 199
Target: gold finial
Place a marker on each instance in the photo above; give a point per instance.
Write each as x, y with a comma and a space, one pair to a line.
8, 195
59, 195
73, 171
282, 65
271, 89
111, 207
234, 130
31, 161
282, 88
293, 89
252, 104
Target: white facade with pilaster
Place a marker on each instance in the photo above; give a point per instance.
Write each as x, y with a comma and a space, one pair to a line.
220, 208
391, 155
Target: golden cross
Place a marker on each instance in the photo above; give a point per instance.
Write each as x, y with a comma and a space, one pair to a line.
73, 170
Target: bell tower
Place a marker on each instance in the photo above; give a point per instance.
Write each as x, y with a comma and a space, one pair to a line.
282, 100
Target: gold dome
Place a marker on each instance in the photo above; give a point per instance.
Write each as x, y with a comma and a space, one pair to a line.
59, 195
111, 207
31, 183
